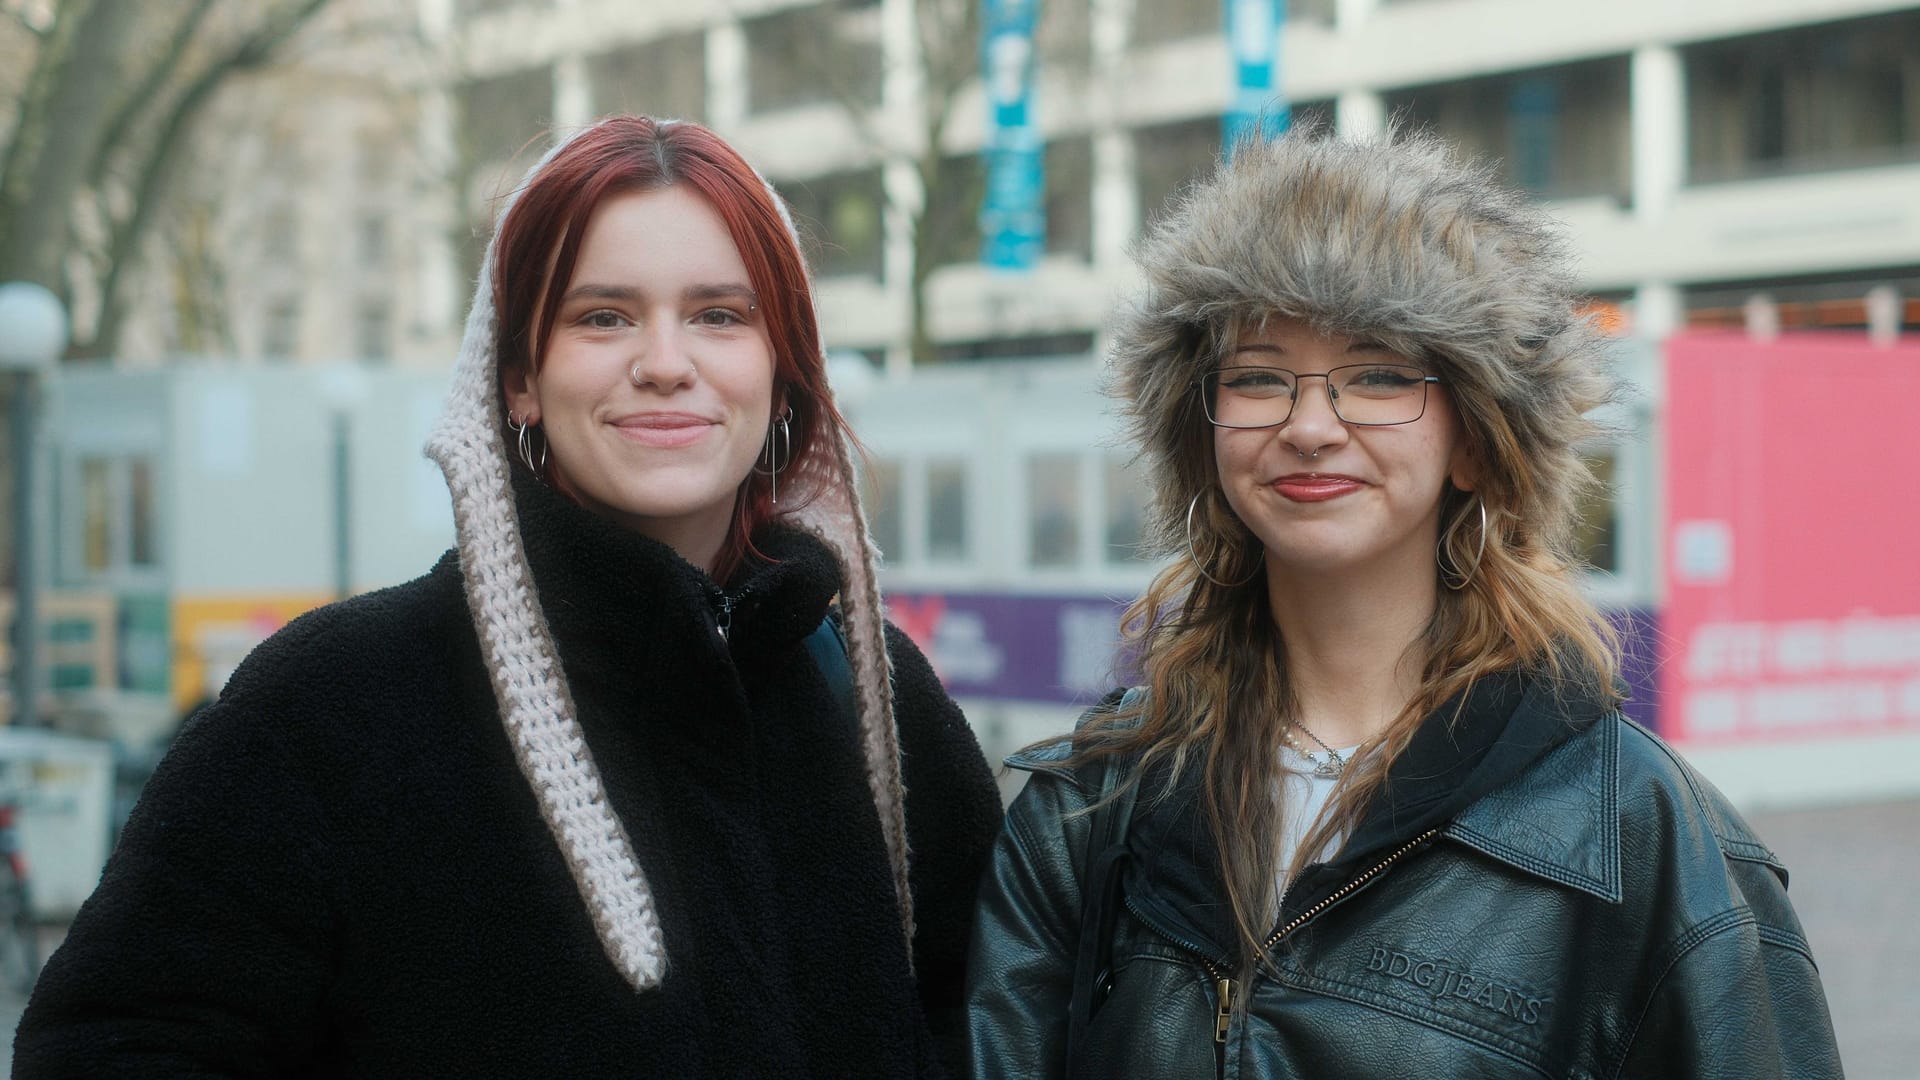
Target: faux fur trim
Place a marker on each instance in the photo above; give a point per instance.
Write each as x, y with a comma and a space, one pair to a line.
535, 703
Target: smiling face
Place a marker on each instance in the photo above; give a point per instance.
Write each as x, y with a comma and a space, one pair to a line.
656, 390
1370, 500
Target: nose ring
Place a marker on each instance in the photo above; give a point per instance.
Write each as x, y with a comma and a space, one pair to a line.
1304, 454
634, 376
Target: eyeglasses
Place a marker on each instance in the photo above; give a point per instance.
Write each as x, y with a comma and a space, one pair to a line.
1374, 395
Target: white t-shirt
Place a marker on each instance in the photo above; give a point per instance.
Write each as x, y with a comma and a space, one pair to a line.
1302, 797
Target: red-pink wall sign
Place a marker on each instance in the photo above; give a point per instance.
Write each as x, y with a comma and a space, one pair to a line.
1792, 537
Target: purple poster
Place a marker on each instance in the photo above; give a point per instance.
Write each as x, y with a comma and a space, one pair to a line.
1063, 649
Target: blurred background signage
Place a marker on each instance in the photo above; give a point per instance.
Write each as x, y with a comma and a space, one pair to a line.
1013, 223
1793, 602
1253, 33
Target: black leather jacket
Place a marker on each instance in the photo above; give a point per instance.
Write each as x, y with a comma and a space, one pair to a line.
1543, 889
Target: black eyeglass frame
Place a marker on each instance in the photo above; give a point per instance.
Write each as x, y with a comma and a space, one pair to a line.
1293, 401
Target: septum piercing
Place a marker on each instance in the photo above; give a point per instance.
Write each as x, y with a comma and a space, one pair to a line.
1304, 454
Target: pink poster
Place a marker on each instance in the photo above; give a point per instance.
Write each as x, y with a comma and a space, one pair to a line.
1792, 537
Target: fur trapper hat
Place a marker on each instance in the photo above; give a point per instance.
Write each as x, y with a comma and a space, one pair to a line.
1394, 239
535, 703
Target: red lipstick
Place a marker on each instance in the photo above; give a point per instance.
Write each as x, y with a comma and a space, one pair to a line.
1315, 487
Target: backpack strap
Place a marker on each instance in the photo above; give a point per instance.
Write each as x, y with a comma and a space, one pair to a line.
828, 646
1100, 900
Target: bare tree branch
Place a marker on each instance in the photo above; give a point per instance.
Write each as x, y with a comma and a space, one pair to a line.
143, 95
253, 52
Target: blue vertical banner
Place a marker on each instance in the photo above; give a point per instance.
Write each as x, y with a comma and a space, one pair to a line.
1013, 221
1253, 36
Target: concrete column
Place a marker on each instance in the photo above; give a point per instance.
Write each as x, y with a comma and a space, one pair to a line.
1116, 179
902, 99
1659, 130
1116, 200
1360, 113
1351, 15
726, 76
1658, 310
572, 93
439, 304
904, 196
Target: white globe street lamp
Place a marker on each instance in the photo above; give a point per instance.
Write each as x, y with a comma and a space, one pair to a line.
33, 334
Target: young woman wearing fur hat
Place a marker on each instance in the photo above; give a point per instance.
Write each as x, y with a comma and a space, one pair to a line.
1375, 812
606, 793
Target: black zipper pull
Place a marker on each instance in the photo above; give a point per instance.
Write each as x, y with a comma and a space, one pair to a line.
723, 616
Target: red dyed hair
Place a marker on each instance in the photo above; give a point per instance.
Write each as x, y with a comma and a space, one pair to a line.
539, 242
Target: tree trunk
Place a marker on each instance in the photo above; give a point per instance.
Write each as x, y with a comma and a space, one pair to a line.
79, 99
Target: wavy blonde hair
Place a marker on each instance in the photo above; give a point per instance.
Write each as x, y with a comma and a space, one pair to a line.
1400, 241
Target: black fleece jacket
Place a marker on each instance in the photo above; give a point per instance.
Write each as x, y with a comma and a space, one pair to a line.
340, 871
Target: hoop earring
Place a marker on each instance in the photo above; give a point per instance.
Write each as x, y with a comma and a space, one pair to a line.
775, 464
521, 435
1199, 564
1450, 574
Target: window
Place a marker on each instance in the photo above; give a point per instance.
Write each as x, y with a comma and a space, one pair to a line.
946, 510
1323, 12
840, 221
470, 8
1597, 536
376, 159
280, 340
140, 538
375, 332
1053, 510
1810, 98
663, 77
500, 115
812, 55
1559, 132
280, 234
880, 495
1041, 346
1168, 157
115, 528
1126, 501
1069, 180
1063, 33
96, 510
373, 241
950, 228
1157, 21
1171, 156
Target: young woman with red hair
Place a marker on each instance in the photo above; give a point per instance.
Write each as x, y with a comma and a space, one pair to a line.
616, 789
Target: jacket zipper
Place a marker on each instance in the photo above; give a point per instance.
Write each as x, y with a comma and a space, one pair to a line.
1346, 890
1224, 987
723, 605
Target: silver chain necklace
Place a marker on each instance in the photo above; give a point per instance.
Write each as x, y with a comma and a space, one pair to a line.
1329, 769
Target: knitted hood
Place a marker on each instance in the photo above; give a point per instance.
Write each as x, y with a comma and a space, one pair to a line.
1396, 240
531, 689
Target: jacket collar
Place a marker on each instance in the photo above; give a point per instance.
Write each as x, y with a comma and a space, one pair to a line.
1487, 769
1559, 820
611, 593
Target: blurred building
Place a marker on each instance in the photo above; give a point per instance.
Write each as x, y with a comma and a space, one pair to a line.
1700, 152
311, 222
1718, 164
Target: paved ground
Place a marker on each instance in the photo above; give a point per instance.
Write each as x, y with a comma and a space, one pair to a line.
1856, 884
1855, 880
